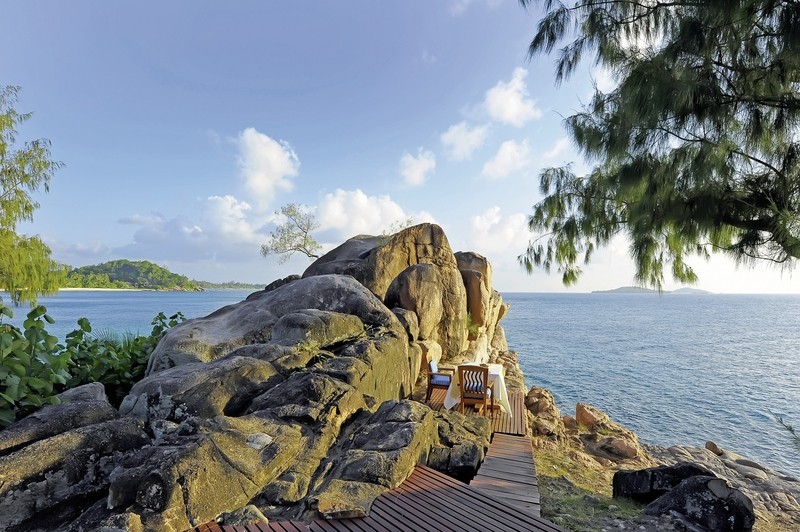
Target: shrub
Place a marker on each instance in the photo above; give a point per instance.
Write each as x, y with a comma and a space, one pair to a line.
34, 367
117, 363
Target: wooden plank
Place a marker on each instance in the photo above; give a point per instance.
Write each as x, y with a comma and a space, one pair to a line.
495, 510
394, 517
513, 469
508, 473
504, 485
414, 494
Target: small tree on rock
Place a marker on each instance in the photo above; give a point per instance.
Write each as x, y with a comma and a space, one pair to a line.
293, 235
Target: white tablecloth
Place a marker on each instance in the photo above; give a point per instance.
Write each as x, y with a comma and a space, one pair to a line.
453, 397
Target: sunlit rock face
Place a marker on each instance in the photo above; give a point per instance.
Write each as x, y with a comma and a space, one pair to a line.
293, 403
436, 292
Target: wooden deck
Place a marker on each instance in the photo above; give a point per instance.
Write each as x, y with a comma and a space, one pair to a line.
502, 423
429, 500
503, 496
426, 500
508, 473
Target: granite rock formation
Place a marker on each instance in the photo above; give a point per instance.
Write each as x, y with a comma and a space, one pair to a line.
293, 403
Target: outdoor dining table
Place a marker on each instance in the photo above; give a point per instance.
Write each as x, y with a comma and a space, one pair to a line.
453, 397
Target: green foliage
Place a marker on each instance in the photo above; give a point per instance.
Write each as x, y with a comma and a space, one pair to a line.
394, 228
471, 326
34, 367
117, 363
695, 150
26, 269
293, 235
128, 274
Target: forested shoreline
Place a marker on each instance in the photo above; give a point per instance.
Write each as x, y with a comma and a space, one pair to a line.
140, 275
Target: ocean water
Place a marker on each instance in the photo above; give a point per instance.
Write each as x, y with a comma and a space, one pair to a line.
676, 369
124, 311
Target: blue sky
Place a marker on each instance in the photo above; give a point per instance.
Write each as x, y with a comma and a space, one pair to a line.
184, 126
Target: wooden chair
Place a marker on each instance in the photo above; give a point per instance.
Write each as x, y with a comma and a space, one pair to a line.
473, 381
438, 378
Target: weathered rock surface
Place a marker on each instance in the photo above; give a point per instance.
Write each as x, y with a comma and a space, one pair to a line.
80, 406
775, 498
647, 485
52, 480
588, 443
376, 263
708, 502
462, 444
252, 321
289, 404
546, 416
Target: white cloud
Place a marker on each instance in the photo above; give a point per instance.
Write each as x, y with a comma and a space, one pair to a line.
428, 58
266, 164
416, 170
351, 212
227, 230
493, 233
232, 219
508, 103
462, 140
511, 157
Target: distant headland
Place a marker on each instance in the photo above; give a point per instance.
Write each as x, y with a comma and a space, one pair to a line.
641, 290
140, 275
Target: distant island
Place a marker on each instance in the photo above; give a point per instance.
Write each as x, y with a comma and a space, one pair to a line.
141, 275
640, 290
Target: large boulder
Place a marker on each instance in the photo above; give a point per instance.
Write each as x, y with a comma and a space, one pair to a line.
476, 272
252, 321
774, 494
707, 502
647, 485
546, 416
377, 261
606, 439
462, 444
79, 407
53, 480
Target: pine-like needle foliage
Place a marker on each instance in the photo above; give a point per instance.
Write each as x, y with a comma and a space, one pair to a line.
26, 269
695, 150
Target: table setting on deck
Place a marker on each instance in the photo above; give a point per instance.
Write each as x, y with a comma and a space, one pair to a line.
496, 382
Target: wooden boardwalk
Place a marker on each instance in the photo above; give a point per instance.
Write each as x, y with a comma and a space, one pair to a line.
503, 496
427, 500
509, 473
502, 423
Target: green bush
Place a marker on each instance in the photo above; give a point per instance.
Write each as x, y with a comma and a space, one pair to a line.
34, 367
117, 363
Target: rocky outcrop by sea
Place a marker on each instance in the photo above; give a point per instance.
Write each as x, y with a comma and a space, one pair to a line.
296, 404
292, 404
685, 488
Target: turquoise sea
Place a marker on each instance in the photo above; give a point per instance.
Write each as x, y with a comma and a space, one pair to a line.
676, 369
